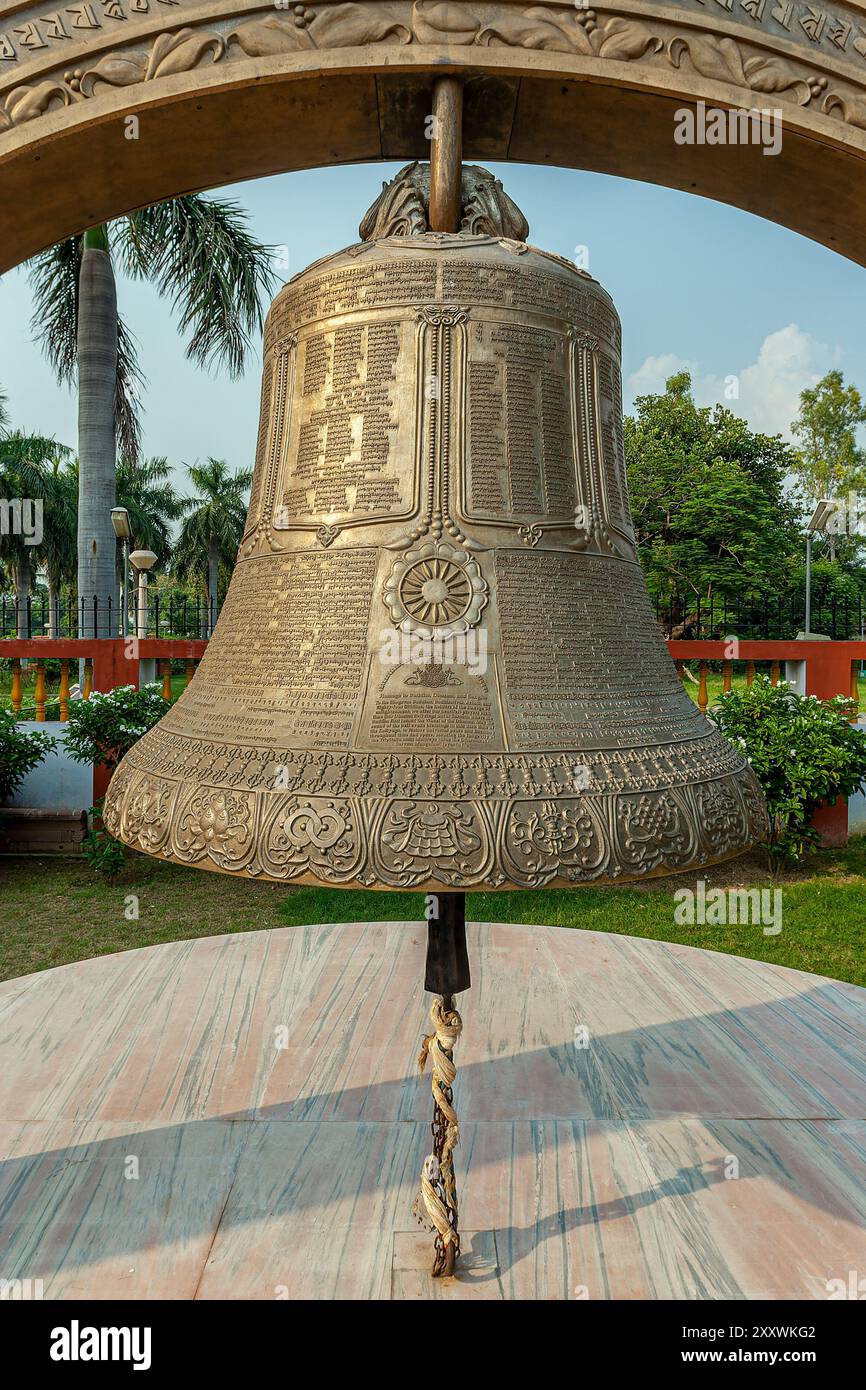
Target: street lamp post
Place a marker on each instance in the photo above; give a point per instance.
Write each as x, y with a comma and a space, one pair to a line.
142, 561
123, 532
816, 524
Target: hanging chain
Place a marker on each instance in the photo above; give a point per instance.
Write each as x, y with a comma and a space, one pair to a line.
436, 1206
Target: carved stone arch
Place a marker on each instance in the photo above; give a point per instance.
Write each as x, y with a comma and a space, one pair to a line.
225, 90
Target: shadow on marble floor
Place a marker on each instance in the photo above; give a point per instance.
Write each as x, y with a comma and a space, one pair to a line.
663, 1108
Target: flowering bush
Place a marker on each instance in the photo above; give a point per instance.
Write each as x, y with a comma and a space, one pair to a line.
20, 751
104, 728
803, 751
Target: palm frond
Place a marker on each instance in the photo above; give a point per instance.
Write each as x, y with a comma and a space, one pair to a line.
53, 278
59, 551
25, 466
147, 493
216, 513
201, 256
134, 244
127, 395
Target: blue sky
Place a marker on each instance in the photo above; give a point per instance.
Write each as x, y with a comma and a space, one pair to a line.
696, 283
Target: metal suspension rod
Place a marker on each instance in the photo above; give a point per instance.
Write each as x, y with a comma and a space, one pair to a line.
446, 155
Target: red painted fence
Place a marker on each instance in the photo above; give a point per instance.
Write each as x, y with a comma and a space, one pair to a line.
830, 669
829, 665
112, 664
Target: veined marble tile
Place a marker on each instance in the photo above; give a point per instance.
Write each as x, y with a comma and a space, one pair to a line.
705, 1137
102, 1210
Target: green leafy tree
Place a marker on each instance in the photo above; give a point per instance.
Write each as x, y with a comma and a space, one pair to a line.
710, 510
829, 461
727, 534
199, 254
213, 524
147, 492
4, 413
836, 586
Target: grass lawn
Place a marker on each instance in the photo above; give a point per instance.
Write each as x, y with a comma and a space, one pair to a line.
53, 911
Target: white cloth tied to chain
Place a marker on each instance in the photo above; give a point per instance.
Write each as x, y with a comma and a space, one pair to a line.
438, 1046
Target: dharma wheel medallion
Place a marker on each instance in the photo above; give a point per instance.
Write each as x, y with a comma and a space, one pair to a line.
436, 591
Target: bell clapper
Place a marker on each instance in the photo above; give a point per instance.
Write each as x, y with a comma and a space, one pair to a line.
447, 974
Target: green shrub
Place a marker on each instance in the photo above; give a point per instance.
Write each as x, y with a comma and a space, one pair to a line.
104, 728
20, 751
803, 751
105, 855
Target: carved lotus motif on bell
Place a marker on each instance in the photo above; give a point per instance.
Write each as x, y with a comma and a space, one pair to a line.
147, 813
436, 590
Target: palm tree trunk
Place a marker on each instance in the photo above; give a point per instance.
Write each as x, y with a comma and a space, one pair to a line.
212, 574
22, 589
97, 377
53, 607
202, 620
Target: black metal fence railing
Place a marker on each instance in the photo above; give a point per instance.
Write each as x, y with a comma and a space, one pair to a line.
681, 616
68, 617
758, 618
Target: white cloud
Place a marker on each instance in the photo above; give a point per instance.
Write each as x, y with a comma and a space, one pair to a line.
651, 375
769, 388
788, 361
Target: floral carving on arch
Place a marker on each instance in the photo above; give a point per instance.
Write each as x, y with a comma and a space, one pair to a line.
757, 63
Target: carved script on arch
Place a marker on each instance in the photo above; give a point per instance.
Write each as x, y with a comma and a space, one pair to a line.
811, 55
71, 74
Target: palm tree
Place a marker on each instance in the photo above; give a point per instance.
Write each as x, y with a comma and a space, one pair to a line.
213, 526
25, 461
197, 252
58, 552
146, 491
4, 413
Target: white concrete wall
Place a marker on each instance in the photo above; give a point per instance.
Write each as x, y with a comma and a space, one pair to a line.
57, 784
857, 803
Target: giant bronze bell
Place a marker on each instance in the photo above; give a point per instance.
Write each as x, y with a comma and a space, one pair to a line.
437, 665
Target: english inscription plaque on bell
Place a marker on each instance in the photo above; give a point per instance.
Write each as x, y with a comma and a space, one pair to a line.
437, 665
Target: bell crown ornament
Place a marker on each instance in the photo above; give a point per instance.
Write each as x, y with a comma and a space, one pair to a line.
437, 664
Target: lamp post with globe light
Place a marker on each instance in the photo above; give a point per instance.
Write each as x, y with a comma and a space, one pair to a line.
123, 532
816, 525
142, 561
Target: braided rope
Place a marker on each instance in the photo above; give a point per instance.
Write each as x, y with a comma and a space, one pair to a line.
438, 1186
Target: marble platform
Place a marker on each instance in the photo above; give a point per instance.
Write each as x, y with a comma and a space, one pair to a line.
240, 1117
